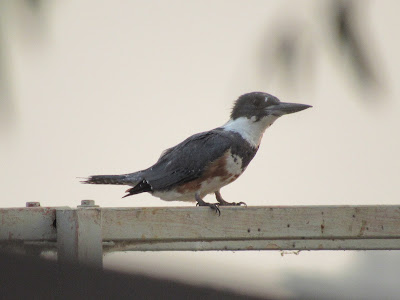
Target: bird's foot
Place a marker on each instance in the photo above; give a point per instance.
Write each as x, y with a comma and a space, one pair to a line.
222, 202
214, 206
225, 203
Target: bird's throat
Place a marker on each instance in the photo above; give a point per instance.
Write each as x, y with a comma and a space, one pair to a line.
251, 130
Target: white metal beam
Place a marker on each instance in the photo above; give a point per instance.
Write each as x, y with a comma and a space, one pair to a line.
240, 245
258, 228
27, 224
83, 233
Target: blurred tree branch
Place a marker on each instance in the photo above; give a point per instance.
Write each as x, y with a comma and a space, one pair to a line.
289, 52
29, 17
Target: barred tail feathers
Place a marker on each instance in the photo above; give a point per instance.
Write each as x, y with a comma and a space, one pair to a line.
126, 179
136, 180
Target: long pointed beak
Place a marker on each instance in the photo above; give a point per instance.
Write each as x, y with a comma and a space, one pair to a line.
284, 108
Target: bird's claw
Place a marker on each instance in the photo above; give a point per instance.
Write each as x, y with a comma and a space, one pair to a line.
213, 206
233, 204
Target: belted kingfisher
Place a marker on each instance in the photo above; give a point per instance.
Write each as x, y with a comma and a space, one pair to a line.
205, 162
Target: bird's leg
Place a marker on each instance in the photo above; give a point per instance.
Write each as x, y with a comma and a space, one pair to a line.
201, 202
222, 202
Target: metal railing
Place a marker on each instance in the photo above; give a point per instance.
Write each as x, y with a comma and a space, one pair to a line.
85, 233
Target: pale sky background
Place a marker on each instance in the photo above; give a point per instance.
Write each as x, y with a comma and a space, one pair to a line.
104, 86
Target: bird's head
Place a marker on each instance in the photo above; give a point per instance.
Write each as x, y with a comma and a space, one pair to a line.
257, 106
254, 112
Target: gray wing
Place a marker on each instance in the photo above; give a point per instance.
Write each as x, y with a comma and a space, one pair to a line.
187, 161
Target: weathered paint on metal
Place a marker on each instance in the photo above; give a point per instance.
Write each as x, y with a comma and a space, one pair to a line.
251, 223
240, 245
33, 223
79, 238
83, 233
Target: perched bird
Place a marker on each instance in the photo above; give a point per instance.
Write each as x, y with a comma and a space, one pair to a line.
205, 162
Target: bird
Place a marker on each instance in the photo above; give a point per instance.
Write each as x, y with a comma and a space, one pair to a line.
205, 162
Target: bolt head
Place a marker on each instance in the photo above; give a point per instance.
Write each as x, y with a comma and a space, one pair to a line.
88, 203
